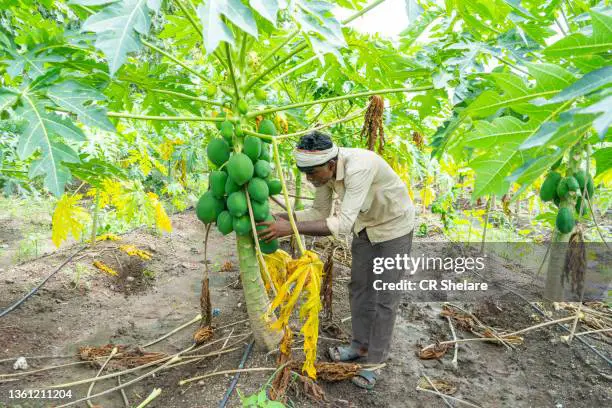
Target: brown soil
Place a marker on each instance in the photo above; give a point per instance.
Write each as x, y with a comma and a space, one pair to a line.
150, 298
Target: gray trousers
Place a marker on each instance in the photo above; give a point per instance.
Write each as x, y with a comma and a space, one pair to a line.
373, 312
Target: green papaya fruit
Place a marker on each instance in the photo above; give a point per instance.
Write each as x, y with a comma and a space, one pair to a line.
585, 209
240, 168
209, 207
548, 191
227, 131
218, 151
237, 204
563, 187
225, 222
261, 210
221, 114
252, 147
262, 169
265, 153
275, 186
565, 221
258, 189
243, 107
242, 225
590, 186
260, 94
217, 183
231, 187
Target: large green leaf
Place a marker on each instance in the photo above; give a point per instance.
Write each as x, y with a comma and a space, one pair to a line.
535, 167
488, 134
43, 131
587, 84
603, 158
516, 94
118, 27
74, 96
578, 44
493, 167
41, 128
30, 61
500, 139
603, 121
319, 26
268, 9
215, 30
50, 165
8, 97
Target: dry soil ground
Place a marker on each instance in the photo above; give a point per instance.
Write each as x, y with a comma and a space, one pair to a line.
83, 306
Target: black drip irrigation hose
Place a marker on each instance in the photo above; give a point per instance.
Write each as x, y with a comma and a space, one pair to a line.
33, 291
230, 390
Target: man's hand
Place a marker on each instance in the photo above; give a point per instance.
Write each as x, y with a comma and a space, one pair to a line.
276, 229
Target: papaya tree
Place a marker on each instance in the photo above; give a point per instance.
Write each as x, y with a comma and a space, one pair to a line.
224, 69
527, 92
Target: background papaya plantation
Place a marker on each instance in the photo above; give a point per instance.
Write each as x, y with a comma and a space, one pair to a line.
124, 123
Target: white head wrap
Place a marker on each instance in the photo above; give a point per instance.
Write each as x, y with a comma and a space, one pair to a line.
310, 158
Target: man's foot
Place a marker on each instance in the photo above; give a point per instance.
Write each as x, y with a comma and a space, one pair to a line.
345, 353
365, 379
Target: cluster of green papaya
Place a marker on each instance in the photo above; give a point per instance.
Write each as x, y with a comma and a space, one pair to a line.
239, 171
560, 189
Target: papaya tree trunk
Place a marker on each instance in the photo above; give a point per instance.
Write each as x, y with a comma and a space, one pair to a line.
553, 289
255, 295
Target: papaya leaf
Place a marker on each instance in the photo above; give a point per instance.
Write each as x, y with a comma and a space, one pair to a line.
603, 159
587, 84
29, 61
241, 16
319, 26
501, 139
56, 175
41, 132
603, 121
214, 29
268, 9
578, 44
515, 94
68, 218
8, 97
534, 168
118, 26
488, 134
73, 97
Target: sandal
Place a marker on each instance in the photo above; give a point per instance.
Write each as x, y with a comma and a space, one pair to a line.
365, 379
344, 353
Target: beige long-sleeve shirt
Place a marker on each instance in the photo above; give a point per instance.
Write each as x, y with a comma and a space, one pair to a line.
373, 197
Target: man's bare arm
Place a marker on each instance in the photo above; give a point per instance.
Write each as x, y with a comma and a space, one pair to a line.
313, 228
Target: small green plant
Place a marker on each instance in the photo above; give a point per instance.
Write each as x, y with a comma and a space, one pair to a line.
423, 230
79, 271
259, 400
28, 247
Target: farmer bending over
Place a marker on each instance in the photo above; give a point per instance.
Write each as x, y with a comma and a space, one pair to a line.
377, 209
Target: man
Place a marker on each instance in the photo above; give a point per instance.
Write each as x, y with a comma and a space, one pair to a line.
377, 209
